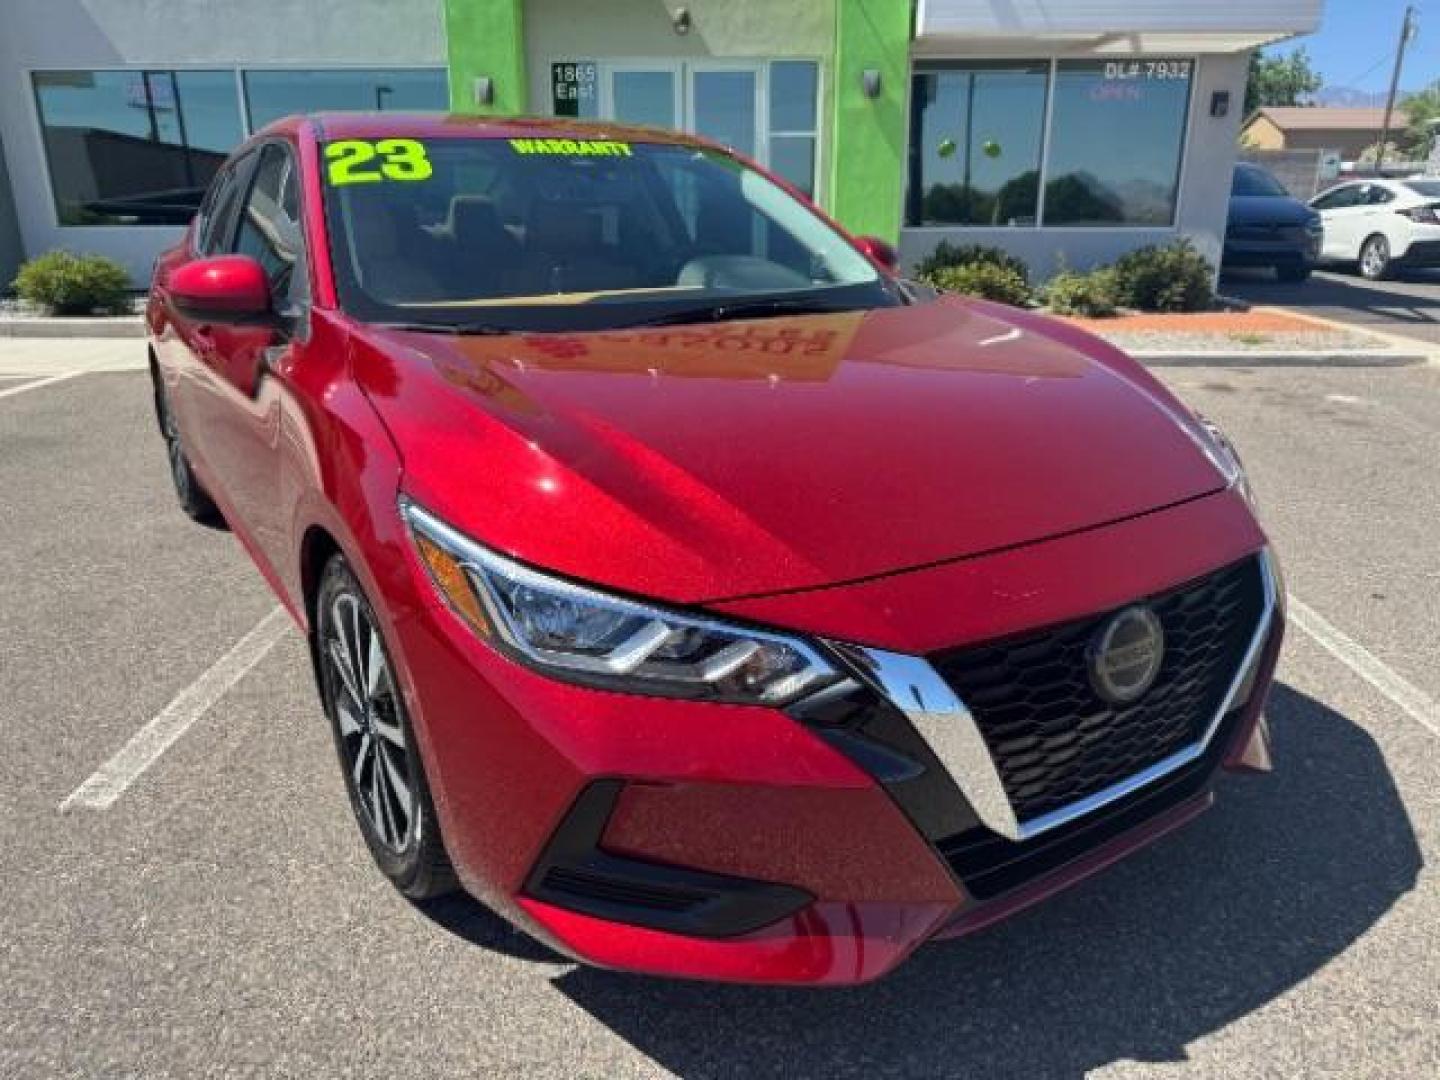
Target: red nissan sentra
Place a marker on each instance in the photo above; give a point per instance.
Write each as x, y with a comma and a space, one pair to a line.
680, 582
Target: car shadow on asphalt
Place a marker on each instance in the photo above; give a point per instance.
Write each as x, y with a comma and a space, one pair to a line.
467, 918
1328, 294
1168, 946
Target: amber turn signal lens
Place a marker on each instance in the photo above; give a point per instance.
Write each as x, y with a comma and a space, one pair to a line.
450, 579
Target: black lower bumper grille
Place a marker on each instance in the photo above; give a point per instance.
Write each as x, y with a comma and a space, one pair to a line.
575, 872
1055, 741
990, 866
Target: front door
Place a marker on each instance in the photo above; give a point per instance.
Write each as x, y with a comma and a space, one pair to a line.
717, 100
723, 103
241, 396
648, 94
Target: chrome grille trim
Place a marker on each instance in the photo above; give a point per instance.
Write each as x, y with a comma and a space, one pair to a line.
912, 685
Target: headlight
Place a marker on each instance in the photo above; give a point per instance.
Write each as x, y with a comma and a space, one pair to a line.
576, 633
1222, 453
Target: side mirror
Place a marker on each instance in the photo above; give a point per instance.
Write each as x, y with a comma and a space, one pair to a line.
226, 289
879, 252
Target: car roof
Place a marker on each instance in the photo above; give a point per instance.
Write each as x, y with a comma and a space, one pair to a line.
417, 125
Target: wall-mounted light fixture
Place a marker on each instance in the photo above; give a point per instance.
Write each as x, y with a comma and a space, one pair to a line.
870, 82
484, 90
680, 20
1220, 103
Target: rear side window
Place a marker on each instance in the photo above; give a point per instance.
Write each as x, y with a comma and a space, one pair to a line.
1426, 189
270, 229
1375, 195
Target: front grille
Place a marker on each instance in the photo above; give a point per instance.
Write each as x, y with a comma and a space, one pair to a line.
1291, 233
991, 866
1055, 741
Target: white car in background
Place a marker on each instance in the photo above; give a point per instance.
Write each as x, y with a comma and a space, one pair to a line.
1381, 225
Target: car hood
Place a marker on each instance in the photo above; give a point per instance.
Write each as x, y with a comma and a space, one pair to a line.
710, 462
1268, 210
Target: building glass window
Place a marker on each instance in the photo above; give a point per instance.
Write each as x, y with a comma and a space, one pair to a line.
975, 143
717, 101
1116, 140
270, 95
134, 147
794, 94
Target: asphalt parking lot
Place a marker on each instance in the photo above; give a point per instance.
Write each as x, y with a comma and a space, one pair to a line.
221, 916
1407, 305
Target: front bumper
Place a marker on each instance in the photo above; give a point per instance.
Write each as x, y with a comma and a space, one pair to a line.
614, 827
1278, 253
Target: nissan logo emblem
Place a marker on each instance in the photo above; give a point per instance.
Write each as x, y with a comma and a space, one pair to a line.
1126, 654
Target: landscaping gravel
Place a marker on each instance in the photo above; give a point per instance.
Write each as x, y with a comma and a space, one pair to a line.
1286, 341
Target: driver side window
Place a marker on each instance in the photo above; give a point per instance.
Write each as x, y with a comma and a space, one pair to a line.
1338, 198
270, 225
215, 223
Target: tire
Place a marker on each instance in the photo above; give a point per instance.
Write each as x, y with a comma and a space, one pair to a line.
1375, 258
379, 761
190, 493
1293, 274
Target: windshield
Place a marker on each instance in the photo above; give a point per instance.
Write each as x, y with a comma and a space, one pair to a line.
564, 234
1250, 180
1426, 189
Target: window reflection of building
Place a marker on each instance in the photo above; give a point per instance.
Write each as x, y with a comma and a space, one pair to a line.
139, 147
977, 148
134, 147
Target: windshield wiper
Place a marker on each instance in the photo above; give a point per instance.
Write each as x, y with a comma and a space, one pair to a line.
477, 328
736, 309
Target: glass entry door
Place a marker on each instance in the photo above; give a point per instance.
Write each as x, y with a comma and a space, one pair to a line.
642, 94
724, 105
765, 109
719, 101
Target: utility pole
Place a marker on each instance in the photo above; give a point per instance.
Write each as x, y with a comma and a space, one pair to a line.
1407, 33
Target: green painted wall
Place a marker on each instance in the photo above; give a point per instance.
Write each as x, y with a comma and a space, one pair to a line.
868, 135
486, 37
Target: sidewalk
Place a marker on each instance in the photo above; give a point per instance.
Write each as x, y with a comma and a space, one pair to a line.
44, 357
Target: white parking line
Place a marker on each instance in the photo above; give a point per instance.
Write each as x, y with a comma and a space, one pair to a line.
108, 783
1409, 697
42, 382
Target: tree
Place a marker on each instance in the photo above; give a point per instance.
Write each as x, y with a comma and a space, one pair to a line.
1279, 80
1420, 109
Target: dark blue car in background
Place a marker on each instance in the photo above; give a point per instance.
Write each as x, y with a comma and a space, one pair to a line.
1268, 227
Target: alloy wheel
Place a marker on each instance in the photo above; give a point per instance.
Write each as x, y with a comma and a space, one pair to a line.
363, 698
1374, 258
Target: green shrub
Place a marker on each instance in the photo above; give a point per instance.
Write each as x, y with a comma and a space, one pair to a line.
984, 279
1170, 277
1091, 295
69, 284
947, 255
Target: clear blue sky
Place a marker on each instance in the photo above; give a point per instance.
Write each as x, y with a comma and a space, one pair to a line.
1356, 44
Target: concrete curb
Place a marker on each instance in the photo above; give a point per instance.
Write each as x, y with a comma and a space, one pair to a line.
80, 327
1410, 346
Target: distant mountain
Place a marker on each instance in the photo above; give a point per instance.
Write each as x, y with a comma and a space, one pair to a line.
1347, 97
